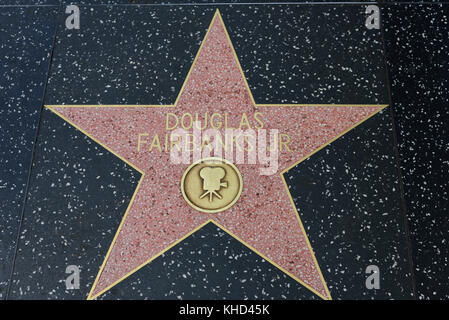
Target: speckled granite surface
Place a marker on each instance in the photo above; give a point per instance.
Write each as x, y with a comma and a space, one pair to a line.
25, 50
209, 265
348, 194
77, 195
417, 47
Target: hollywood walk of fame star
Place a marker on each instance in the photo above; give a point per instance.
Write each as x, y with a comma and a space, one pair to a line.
264, 218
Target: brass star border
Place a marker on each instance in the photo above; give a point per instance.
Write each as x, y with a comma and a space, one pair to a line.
217, 15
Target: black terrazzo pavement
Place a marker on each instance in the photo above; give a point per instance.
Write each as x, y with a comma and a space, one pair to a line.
26, 40
113, 59
308, 54
210, 264
77, 197
341, 61
417, 48
349, 199
70, 216
146, 2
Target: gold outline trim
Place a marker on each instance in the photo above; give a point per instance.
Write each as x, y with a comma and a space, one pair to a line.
217, 14
216, 159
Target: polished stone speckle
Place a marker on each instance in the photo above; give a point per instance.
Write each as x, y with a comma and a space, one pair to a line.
348, 196
209, 264
126, 55
26, 38
417, 49
308, 54
77, 197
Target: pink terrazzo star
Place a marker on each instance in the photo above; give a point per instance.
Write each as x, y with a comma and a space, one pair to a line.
263, 218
